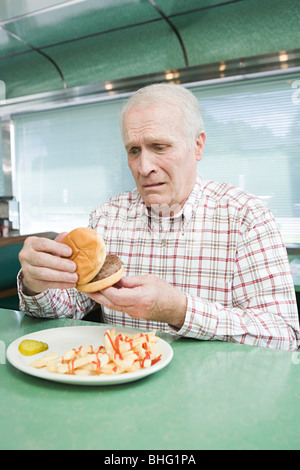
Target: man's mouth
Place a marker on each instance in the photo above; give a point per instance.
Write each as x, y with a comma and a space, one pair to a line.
152, 185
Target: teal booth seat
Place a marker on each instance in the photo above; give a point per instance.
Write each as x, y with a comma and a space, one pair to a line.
9, 267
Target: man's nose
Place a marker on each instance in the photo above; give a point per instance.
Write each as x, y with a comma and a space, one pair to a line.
147, 164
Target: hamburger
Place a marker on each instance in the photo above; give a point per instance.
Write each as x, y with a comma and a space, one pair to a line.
96, 270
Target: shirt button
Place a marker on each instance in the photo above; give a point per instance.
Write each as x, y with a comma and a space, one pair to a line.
164, 242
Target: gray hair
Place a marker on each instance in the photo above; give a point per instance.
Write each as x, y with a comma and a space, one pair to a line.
168, 93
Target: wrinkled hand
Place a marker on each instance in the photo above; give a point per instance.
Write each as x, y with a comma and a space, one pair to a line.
147, 297
45, 266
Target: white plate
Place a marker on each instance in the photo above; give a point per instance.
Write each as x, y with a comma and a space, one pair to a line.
63, 339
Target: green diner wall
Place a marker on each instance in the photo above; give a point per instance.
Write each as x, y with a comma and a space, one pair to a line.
95, 41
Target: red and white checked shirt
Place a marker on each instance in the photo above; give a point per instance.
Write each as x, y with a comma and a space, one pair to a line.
223, 250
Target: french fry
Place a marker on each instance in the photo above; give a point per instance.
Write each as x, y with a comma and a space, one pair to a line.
110, 369
121, 353
98, 362
80, 352
45, 360
125, 360
70, 366
82, 372
52, 366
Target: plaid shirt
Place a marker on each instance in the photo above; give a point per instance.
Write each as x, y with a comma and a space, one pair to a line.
223, 250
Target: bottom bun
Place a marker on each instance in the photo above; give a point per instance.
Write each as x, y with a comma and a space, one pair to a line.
102, 283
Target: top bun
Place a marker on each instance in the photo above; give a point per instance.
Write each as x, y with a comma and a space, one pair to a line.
89, 252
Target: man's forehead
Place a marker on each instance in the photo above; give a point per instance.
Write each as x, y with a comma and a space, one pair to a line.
152, 117
156, 109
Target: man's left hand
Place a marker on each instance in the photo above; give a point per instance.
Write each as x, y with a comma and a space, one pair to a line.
147, 297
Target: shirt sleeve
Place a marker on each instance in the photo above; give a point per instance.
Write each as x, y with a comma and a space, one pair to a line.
54, 303
264, 309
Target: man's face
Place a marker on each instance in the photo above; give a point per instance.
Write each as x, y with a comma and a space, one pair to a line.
159, 156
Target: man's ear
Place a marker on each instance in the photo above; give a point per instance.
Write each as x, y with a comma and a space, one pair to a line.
199, 146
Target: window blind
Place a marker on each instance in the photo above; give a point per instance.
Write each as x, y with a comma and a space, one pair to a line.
68, 161
253, 141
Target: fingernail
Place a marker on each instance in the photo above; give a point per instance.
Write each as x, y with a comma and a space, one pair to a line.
67, 251
75, 278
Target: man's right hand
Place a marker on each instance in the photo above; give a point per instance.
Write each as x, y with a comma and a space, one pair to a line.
45, 265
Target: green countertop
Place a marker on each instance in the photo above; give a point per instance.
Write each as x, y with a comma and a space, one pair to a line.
212, 395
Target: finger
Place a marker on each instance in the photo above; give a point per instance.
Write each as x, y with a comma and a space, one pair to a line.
102, 300
130, 282
98, 297
50, 246
51, 275
131, 310
113, 303
60, 237
125, 297
42, 259
39, 279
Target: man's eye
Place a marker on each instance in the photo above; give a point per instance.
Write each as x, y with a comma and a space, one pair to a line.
133, 151
160, 147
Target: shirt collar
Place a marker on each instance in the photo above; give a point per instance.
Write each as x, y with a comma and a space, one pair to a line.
138, 208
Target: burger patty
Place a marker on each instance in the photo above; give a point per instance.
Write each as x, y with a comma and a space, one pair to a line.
111, 265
